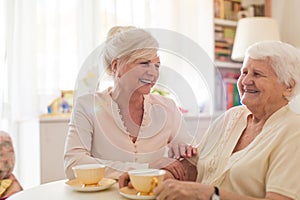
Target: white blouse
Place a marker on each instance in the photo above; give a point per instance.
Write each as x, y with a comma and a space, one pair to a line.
269, 163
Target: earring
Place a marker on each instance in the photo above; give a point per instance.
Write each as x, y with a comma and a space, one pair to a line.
114, 65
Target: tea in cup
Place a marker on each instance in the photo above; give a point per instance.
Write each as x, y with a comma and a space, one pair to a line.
146, 180
89, 174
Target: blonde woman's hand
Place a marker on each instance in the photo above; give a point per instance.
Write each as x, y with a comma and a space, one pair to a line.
179, 150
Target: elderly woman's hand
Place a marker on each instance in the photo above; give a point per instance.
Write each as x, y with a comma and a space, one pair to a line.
124, 180
179, 150
173, 189
173, 166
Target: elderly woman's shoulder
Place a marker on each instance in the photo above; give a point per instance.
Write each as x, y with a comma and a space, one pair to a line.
233, 113
237, 109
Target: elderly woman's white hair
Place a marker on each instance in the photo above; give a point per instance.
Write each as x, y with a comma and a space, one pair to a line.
123, 41
283, 58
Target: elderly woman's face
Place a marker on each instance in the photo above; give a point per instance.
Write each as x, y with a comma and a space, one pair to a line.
141, 74
259, 86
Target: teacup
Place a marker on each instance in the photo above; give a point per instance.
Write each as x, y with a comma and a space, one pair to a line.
146, 180
89, 174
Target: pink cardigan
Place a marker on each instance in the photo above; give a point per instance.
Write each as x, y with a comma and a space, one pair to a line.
97, 134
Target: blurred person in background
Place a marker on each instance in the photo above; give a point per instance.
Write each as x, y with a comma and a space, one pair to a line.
8, 183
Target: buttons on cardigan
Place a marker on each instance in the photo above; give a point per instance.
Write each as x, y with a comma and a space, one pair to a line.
135, 148
135, 151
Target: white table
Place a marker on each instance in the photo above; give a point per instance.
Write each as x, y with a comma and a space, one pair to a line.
58, 190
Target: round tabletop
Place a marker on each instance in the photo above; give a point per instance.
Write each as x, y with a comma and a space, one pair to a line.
59, 190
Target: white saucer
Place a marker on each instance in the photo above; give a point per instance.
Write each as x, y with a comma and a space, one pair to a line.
102, 185
133, 194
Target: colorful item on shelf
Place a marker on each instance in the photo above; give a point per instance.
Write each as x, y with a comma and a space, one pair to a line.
62, 104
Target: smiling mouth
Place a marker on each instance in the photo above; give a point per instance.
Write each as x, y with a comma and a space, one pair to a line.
146, 81
251, 91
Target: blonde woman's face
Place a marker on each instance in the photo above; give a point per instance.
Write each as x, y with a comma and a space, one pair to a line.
141, 74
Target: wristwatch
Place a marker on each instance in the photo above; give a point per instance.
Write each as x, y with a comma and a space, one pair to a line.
216, 194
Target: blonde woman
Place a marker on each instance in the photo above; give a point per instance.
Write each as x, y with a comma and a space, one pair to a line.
126, 127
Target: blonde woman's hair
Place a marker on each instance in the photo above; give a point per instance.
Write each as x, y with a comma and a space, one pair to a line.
127, 42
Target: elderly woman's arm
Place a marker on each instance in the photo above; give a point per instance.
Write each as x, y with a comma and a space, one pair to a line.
178, 170
189, 189
173, 189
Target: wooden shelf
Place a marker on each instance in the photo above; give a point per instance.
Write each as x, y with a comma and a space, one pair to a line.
225, 22
232, 65
226, 15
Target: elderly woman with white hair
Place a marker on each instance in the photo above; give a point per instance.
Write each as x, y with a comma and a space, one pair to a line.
252, 151
126, 127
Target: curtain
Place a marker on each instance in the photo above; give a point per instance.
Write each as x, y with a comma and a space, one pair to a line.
46, 42
3, 69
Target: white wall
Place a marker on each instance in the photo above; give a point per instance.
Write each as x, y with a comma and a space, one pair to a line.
195, 21
288, 16
27, 149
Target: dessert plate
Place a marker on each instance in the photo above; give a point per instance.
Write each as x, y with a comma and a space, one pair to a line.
131, 193
102, 185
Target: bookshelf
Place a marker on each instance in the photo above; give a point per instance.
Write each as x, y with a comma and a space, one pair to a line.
226, 15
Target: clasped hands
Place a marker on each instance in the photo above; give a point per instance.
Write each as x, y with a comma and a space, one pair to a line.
174, 168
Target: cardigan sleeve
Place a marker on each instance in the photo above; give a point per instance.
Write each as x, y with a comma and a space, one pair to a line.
282, 176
